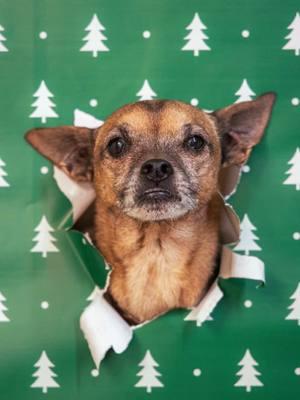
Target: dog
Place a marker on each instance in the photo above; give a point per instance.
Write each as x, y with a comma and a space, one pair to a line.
155, 167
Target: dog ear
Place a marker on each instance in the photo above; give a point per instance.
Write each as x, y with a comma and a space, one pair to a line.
241, 126
70, 148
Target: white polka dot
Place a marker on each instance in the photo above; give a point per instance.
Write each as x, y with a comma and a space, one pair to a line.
146, 34
44, 305
94, 373
83, 241
245, 33
194, 102
197, 372
93, 103
43, 35
248, 303
44, 170
295, 101
246, 168
297, 371
296, 235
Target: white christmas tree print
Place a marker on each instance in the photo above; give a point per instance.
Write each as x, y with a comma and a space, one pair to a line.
248, 239
244, 92
294, 36
295, 306
44, 239
294, 171
3, 317
148, 373
94, 39
146, 92
196, 36
248, 373
2, 39
43, 104
44, 374
3, 182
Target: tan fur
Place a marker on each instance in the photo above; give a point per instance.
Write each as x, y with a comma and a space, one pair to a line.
158, 266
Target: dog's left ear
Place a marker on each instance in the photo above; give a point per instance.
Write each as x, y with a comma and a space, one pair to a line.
70, 148
241, 126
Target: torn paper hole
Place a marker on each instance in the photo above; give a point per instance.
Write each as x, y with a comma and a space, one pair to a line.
103, 327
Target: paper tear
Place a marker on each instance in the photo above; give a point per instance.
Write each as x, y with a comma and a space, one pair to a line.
101, 324
81, 195
96, 291
104, 328
86, 120
229, 224
232, 266
202, 312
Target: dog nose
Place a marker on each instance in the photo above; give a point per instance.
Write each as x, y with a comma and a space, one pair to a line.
156, 170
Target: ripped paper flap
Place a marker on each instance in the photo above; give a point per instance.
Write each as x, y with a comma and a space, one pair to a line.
239, 266
81, 195
86, 120
202, 312
232, 266
104, 328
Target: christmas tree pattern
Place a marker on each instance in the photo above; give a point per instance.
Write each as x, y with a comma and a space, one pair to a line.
146, 92
2, 39
3, 308
248, 374
3, 182
248, 239
196, 38
244, 93
43, 104
148, 373
294, 36
44, 374
294, 171
295, 306
44, 239
94, 39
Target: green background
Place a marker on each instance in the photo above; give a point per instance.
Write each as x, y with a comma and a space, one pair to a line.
63, 279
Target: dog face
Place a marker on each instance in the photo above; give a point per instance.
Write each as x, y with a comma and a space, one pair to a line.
157, 159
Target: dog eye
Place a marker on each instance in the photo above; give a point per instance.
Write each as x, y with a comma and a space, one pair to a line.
195, 142
116, 146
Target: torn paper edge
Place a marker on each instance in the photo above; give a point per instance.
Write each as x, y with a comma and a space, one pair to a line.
100, 312
102, 326
232, 266
104, 329
80, 195
202, 312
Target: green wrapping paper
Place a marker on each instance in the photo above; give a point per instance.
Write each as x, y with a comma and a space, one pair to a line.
58, 61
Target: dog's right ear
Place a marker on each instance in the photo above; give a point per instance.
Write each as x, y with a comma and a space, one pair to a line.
70, 148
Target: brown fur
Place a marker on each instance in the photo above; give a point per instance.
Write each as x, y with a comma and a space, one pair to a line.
159, 263
158, 266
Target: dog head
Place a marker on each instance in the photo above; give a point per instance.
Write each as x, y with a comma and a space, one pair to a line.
157, 159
